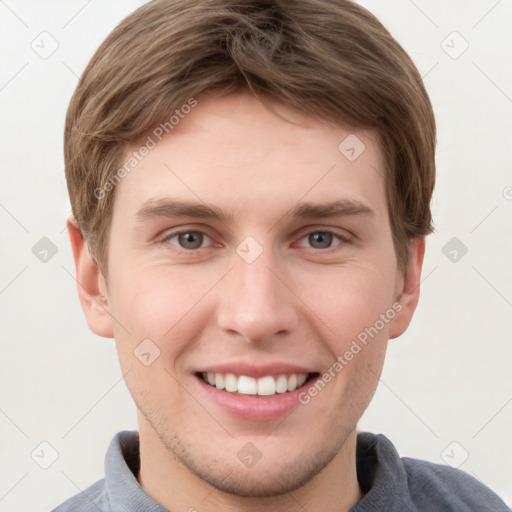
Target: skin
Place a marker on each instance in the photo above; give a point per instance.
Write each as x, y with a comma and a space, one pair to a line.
299, 302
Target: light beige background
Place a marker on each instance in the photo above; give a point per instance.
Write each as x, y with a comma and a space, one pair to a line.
446, 380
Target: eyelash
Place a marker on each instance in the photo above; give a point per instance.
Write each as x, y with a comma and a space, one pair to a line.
343, 239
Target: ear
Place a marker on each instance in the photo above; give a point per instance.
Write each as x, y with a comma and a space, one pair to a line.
92, 289
408, 292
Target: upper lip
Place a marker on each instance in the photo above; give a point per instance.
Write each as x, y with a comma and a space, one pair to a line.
253, 370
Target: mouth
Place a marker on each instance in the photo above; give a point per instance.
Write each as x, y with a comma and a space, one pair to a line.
264, 386
255, 392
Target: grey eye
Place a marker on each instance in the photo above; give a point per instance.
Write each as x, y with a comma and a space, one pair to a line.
190, 239
320, 240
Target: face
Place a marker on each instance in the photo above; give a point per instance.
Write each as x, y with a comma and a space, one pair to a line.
250, 252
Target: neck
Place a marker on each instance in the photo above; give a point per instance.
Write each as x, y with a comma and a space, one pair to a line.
171, 484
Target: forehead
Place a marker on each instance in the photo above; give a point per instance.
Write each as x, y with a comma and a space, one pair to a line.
235, 152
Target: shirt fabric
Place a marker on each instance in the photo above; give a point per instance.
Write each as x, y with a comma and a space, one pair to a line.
390, 483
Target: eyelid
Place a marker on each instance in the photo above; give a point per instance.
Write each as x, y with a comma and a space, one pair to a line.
343, 236
180, 231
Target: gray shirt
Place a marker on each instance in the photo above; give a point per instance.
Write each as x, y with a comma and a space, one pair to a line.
390, 483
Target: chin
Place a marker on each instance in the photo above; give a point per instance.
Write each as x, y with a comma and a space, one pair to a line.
266, 478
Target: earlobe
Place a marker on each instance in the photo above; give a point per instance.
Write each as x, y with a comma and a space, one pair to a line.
91, 284
409, 293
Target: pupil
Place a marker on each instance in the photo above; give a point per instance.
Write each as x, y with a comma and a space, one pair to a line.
324, 239
190, 240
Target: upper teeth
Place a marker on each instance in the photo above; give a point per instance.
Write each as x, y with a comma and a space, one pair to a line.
245, 385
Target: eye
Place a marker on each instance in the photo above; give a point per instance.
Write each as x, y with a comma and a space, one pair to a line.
323, 239
188, 240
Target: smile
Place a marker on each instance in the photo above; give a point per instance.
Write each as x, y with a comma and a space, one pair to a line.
253, 392
264, 386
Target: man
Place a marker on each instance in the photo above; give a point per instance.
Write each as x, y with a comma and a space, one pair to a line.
250, 184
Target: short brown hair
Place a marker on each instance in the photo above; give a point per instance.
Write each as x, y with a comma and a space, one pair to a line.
330, 59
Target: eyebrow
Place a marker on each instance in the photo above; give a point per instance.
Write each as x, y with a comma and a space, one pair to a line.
166, 208
154, 208
344, 207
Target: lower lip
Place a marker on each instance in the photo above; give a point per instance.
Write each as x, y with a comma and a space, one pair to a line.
253, 407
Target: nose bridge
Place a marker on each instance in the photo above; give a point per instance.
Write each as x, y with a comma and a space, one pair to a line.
256, 304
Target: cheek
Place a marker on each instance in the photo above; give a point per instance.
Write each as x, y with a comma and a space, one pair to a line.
159, 322
162, 305
348, 302
152, 302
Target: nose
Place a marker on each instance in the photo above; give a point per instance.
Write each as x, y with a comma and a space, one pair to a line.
257, 303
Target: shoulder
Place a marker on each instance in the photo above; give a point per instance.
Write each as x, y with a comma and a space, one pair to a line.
391, 482
453, 489
92, 499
